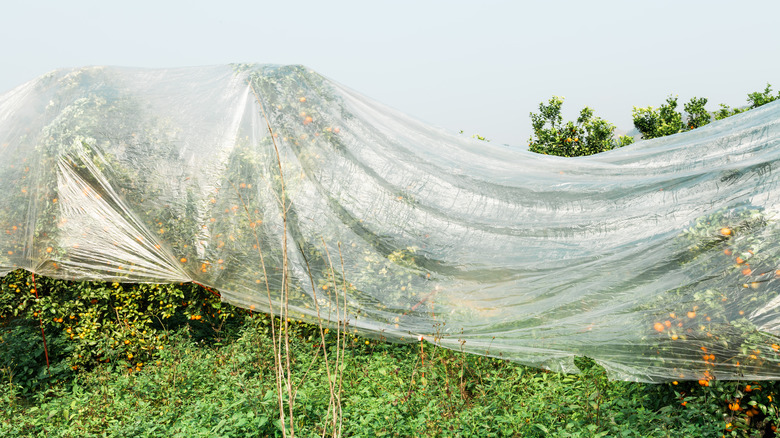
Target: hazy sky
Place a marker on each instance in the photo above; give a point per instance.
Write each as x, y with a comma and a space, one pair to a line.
476, 66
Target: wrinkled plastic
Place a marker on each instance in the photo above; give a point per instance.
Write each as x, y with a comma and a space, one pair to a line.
659, 260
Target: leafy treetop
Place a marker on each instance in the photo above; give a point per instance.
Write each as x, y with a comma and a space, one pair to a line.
588, 135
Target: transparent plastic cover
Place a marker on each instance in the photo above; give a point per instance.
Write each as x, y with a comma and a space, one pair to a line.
660, 260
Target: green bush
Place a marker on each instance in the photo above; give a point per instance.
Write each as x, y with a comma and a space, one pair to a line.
758, 98
589, 135
87, 323
197, 388
666, 120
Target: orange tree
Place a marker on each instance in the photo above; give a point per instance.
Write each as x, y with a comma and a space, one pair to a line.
587, 136
85, 323
666, 120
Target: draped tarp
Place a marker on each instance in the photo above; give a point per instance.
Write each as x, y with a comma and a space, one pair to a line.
659, 260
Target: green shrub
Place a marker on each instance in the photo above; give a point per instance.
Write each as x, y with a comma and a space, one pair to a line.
758, 98
589, 135
666, 120
91, 322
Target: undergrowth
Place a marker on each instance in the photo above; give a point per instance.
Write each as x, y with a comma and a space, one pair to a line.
209, 383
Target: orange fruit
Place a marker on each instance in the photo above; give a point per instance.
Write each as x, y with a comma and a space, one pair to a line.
740, 260
725, 231
668, 323
658, 327
727, 251
691, 314
746, 271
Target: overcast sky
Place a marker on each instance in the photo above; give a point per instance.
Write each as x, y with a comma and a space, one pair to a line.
477, 66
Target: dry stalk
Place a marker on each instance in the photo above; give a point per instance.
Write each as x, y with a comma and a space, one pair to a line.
341, 338
334, 406
283, 369
280, 334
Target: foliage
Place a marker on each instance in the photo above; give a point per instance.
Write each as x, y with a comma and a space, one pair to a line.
666, 120
697, 114
726, 111
589, 135
87, 323
755, 100
194, 388
758, 98
709, 329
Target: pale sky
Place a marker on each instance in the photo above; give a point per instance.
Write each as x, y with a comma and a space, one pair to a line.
475, 66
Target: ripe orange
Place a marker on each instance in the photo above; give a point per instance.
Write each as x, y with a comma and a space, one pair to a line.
746, 271
725, 231
727, 251
740, 260
658, 327
691, 314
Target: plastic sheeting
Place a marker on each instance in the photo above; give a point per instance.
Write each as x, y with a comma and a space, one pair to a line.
659, 260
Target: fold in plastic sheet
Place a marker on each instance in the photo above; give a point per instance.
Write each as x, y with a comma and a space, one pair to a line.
659, 260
